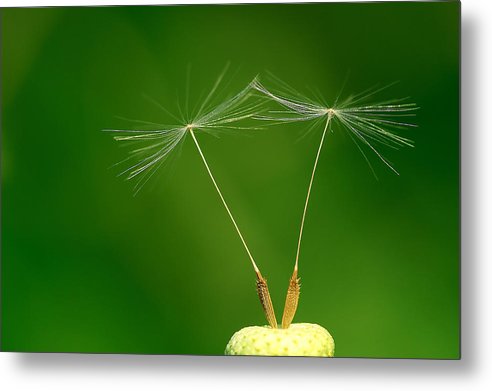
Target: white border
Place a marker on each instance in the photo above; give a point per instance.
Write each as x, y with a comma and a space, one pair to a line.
473, 372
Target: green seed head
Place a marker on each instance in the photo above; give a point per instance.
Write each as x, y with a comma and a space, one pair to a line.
300, 339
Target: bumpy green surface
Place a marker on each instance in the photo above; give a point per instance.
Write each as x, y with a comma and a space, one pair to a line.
300, 339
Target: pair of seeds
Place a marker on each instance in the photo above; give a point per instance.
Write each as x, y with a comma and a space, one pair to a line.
366, 123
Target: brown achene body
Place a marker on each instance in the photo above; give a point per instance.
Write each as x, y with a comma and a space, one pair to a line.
291, 300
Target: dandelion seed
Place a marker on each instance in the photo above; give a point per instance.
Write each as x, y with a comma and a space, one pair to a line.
161, 141
366, 124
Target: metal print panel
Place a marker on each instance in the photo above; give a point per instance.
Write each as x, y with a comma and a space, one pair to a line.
271, 179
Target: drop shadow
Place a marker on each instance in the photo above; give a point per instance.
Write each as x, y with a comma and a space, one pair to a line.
470, 214
231, 366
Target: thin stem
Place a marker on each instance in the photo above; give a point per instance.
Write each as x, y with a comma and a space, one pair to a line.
261, 283
293, 291
329, 115
224, 202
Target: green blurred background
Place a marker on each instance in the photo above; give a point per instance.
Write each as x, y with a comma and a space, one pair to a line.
87, 267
